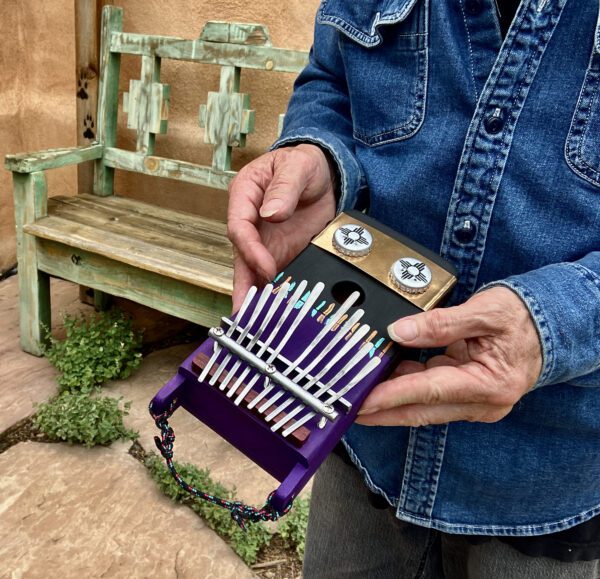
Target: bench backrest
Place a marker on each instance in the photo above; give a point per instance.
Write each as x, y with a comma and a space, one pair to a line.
225, 116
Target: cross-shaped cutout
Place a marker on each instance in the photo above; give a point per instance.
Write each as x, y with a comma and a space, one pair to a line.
147, 108
226, 118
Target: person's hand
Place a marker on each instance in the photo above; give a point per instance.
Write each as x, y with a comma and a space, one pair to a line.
493, 357
277, 203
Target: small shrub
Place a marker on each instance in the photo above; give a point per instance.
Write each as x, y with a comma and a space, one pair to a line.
292, 528
95, 351
245, 544
78, 418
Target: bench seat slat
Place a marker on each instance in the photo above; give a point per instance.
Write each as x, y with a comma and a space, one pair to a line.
148, 247
129, 205
187, 238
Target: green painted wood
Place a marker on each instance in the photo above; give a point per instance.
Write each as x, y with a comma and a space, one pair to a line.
168, 168
34, 285
165, 294
152, 215
52, 158
147, 105
102, 300
236, 33
174, 262
253, 57
139, 251
108, 90
280, 124
226, 118
161, 229
139, 44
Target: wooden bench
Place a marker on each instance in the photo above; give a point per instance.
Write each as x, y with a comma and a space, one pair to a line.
175, 262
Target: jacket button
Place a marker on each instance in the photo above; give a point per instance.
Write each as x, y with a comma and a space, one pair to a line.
493, 123
466, 232
473, 7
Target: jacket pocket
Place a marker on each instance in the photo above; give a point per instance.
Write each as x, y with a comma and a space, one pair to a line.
582, 149
384, 47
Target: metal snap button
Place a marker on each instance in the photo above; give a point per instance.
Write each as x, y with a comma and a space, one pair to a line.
466, 232
495, 122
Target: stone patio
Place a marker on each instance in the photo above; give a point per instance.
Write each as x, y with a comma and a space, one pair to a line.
68, 511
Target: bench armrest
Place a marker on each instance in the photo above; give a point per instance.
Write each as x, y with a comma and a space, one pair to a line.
52, 158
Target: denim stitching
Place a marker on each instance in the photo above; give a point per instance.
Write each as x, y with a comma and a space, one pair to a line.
415, 121
472, 133
501, 530
502, 153
540, 322
393, 501
439, 459
410, 452
368, 41
576, 136
462, 10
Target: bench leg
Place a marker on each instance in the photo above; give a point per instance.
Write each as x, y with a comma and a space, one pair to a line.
34, 285
101, 301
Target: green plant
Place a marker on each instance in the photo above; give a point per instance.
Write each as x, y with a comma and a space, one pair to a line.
245, 544
293, 527
95, 351
79, 418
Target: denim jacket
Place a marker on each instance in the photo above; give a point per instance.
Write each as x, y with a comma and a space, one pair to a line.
487, 151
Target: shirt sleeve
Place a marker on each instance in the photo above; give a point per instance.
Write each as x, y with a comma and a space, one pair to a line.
319, 113
564, 302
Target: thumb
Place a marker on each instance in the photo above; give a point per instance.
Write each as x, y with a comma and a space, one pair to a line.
439, 327
290, 177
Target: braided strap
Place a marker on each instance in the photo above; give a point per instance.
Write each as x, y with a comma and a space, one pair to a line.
240, 512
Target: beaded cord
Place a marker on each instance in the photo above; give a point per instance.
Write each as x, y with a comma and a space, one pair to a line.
240, 512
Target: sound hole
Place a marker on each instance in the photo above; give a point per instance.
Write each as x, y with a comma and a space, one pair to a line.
342, 289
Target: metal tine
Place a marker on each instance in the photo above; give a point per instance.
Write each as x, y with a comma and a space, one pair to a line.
369, 367
240, 340
358, 356
269, 316
348, 325
234, 324
288, 308
354, 339
324, 331
312, 298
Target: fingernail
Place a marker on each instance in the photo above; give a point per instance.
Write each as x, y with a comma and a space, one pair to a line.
272, 207
264, 274
368, 411
403, 331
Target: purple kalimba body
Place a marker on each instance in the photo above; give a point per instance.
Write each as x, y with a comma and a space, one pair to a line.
284, 378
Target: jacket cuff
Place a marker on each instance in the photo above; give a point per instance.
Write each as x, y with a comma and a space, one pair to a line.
351, 179
564, 302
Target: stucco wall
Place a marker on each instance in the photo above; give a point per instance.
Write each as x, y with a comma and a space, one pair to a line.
37, 103
37, 91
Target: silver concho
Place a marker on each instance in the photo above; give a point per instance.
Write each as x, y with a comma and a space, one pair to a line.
353, 240
410, 275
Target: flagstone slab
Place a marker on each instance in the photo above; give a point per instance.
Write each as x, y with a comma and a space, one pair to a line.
195, 442
74, 512
25, 379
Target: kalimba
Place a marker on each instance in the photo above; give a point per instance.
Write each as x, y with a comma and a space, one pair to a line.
283, 379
